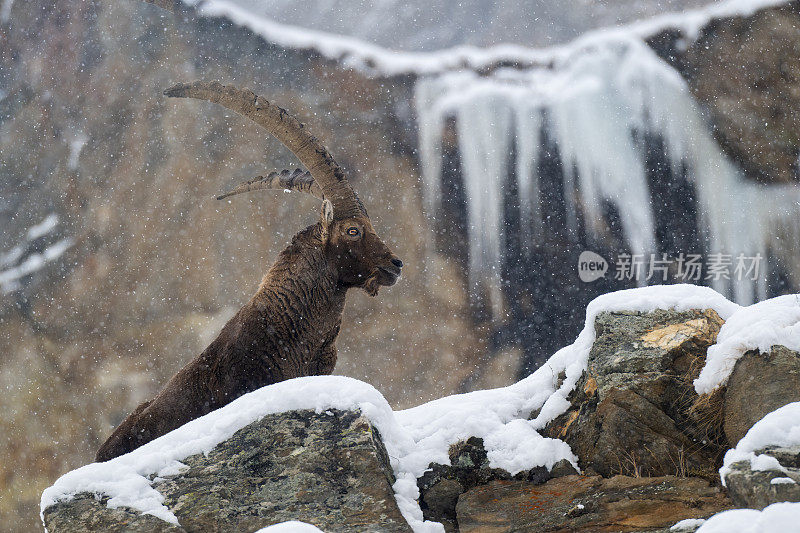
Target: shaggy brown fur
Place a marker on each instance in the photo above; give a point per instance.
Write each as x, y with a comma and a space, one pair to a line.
288, 329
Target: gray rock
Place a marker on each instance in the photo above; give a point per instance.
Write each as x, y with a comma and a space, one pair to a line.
563, 468
754, 489
788, 457
330, 470
632, 410
759, 384
88, 513
751, 95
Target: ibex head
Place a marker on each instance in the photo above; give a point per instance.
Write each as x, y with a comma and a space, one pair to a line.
350, 242
362, 258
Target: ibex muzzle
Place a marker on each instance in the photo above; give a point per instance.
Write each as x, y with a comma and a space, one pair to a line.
289, 327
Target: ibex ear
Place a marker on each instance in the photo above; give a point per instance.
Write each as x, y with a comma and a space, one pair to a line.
327, 212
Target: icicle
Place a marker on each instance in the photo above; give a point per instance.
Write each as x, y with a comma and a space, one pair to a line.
484, 126
430, 125
528, 120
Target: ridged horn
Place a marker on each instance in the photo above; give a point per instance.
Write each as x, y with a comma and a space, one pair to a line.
298, 180
289, 131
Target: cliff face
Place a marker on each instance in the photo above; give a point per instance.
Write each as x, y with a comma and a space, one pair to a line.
745, 73
155, 266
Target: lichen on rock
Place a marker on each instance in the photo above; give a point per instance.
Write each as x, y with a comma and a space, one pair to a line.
329, 469
631, 411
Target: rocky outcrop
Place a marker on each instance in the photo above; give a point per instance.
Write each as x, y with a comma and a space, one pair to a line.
328, 469
632, 410
757, 489
588, 503
442, 485
759, 384
648, 446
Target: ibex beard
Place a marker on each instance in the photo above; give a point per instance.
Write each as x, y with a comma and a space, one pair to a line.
289, 327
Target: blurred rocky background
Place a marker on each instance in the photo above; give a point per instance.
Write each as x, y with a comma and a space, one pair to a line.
117, 265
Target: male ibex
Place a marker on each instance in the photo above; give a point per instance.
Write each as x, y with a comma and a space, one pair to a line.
289, 327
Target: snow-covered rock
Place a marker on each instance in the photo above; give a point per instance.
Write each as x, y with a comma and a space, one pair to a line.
631, 411
507, 419
630, 368
771, 477
761, 382
329, 468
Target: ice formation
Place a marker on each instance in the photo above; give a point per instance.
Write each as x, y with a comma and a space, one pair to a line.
591, 100
76, 145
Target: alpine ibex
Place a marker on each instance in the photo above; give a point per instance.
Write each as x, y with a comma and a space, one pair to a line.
288, 329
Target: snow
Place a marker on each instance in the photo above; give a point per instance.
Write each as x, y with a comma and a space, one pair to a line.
413, 437
76, 145
691, 22
426, 25
690, 524
779, 428
590, 98
11, 256
782, 481
358, 54
17, 265
292, 526
44, 227
783, 517
757, 327
372, 59
9, 278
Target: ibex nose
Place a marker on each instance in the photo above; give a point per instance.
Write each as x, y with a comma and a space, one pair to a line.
396, 262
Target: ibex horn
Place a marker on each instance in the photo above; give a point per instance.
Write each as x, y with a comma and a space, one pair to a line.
289, 131
299, 180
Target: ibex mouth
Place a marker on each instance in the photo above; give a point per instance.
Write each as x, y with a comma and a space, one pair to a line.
390, 275
381, 277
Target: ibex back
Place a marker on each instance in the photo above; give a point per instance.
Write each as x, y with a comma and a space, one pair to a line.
289, 328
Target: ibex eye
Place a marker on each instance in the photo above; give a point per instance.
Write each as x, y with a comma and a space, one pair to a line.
352, 231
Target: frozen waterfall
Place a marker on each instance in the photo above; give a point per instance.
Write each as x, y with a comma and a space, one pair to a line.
595, 100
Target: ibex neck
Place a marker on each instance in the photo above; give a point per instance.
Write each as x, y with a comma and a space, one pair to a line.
304, 283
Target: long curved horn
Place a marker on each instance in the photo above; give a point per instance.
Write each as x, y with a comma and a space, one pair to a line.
299, 180
289, 131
